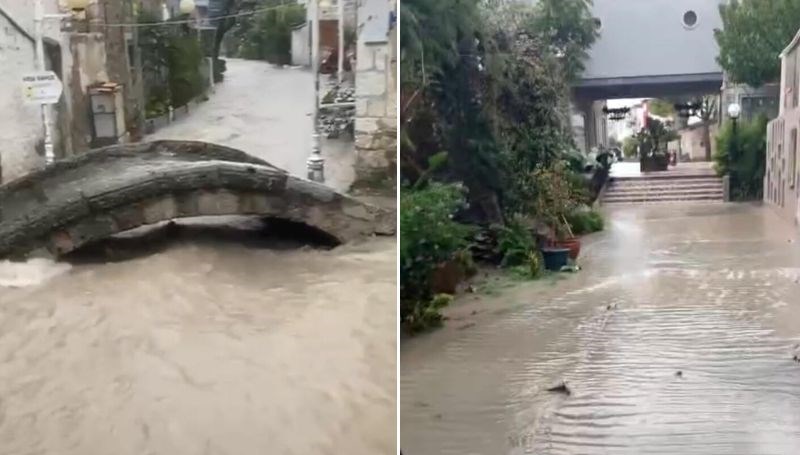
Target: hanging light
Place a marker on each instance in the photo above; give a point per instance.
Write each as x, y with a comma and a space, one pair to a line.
187, 6
77, 5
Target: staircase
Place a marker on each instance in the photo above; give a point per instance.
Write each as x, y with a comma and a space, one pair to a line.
668, 186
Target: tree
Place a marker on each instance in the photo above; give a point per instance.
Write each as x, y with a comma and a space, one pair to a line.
226, 9
661, 108
753, 35
568, 26
707, 113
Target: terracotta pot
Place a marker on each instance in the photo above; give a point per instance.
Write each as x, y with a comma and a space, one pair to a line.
573, 244
446, 277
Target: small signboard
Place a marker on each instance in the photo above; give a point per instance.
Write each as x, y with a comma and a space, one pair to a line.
42, 87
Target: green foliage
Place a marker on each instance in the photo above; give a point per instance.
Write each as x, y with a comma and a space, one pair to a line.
423, 315
585, 221
629, 145
268, 35
654, 137
515, 243
554, 197
184, 57
569, 28
661, 108
429, 237
753, 33
748, 151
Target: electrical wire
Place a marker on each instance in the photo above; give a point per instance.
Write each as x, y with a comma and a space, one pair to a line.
194, 21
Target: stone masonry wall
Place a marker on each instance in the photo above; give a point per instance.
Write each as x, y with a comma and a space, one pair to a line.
376, 105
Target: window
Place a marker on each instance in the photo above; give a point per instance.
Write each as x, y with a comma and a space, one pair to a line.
689, 19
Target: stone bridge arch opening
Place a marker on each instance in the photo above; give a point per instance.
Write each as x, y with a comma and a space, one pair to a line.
82, 200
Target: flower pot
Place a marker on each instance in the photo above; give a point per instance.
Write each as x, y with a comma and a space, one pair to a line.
446, 277
573, 244
555, 258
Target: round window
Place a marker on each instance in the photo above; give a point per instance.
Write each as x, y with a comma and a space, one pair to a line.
690, 19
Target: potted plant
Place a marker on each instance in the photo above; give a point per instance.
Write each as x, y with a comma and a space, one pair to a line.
554, 199
653, 140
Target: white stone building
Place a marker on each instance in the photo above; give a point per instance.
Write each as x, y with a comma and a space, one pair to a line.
782, 178
21, 126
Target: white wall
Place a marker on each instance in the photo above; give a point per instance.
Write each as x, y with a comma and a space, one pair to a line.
20, 124
301, 48
647, 38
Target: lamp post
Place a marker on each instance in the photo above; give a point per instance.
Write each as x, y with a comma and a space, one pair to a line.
315, 163
38, 30
734, 110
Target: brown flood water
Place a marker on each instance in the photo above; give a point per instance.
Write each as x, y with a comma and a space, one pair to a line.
201, 347
707, 291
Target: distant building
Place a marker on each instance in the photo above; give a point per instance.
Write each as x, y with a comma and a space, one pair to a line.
782, 179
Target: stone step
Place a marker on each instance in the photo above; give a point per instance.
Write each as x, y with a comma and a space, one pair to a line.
647, 198
662, 193
665, 187
675, 181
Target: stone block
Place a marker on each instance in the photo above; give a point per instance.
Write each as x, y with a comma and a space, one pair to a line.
371, 83
162, 209
210, 203
376, 107
361, 107
366, 125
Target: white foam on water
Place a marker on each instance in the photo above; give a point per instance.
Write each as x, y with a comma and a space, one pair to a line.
30, 273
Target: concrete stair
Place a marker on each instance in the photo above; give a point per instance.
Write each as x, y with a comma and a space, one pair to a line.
666, 187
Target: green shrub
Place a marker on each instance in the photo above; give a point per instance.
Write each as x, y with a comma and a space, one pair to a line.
429, 237
426, 314
585, 221
747, 168
268, 35
184, 57
515, 242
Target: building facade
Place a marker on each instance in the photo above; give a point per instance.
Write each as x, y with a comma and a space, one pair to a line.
21, 125
782, 177
376, 92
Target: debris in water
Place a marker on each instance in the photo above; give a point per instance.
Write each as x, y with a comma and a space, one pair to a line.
560, 388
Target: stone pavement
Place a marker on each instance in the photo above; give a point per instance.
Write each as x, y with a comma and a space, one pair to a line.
677, 336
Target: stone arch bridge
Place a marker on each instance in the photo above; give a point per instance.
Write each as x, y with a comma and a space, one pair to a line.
107, 191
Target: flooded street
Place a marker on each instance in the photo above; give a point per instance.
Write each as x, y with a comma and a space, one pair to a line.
677, 336
201, 347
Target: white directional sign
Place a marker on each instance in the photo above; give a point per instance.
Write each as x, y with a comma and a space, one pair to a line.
42, 87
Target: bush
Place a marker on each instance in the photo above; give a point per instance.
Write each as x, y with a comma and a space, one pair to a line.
268, 36
748, 166
184, 57
515, 243
585, 221
429, 237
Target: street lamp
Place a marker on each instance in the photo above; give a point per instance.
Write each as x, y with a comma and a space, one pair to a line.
315, 163
186, 6
734, 110
38, 30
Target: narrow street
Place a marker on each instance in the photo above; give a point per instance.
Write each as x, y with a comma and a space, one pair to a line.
676, 337
266, 112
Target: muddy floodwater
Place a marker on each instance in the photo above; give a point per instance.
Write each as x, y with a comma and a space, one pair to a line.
677, 337
201, 347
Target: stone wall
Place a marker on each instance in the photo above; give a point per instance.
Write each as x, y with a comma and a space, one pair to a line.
376, 95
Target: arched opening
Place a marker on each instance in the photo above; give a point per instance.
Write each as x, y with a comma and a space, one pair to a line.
247, 231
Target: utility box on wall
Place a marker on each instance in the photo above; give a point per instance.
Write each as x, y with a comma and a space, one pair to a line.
108, 113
